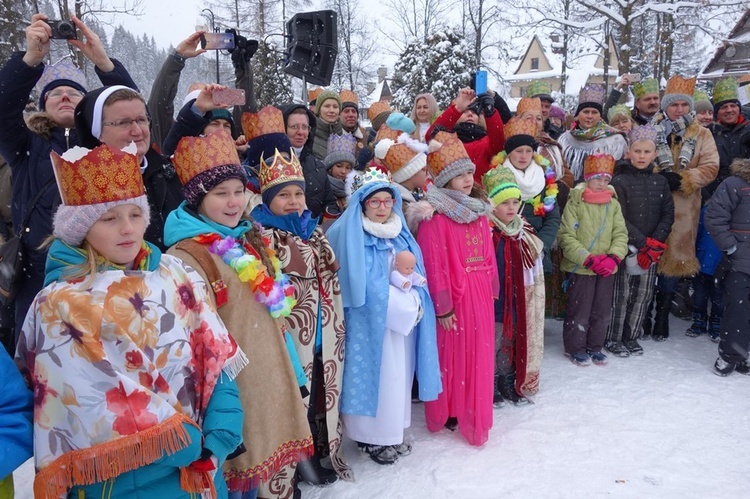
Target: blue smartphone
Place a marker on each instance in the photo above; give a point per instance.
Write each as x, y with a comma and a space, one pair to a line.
480, 82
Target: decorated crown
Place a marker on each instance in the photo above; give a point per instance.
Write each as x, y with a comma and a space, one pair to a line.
539, 89
679, 85
529, 104
447, 158
645, 87
100, 175
268, 120
369, 176
62, 70
195, 155
598, 164
726, 90
348, 96
280, 171
313, 93
500, 184
386, 132
618, 110
592, 93
700, 96
644, 132
377, 108
521, 126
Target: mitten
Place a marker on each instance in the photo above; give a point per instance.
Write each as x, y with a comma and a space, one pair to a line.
644, 259
608, 265
655, 249
673, 179
594, 263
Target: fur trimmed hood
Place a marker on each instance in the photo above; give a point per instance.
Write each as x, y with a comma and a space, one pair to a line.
741, 168
41, 124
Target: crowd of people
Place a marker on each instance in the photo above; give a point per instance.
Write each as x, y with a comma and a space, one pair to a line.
211, 303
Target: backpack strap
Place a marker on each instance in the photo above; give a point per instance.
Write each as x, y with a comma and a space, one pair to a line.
200, 253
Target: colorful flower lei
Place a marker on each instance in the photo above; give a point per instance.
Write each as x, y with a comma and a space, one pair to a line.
276, 293
550, 194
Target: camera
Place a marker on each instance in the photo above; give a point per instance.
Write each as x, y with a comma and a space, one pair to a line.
63, 30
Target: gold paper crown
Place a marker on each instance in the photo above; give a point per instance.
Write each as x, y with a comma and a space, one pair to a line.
527, 104
195, 155
268, 120
521, 126
377, 108
99, 175
280, 171
445, 149
313, 94
348, 96
679, 85
368, 176
598, 164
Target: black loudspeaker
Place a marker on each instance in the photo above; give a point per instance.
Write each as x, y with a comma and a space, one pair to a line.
313, 46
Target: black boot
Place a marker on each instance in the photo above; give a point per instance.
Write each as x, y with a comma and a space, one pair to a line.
508, 390
497, 396
661, 320
647, 324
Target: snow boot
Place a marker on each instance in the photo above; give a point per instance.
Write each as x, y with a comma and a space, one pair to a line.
598, 358
698, 327
714, 328
743, 367
580, 359
682, 301
311, 471
381, 454
724, 368
647, 324
617, 348
633, 347
508, 390
497, 396
661, 320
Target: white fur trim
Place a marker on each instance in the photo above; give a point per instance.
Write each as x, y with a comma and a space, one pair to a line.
411, 143
381, 149
434, 146
416, 213
417, 163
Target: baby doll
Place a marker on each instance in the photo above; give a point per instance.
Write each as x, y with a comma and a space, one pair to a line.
403, 275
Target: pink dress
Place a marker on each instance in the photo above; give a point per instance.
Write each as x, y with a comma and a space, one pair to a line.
462, 276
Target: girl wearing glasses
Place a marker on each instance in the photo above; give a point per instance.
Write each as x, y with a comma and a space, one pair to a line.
388, 333
454, 234
116, 116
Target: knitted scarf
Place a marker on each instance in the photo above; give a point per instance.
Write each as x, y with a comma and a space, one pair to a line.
676, 129
577, 144
456, 205
469, 132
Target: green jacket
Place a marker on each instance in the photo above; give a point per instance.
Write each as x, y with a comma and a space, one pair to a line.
581, 222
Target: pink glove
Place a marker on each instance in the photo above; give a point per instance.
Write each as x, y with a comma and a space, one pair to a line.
594, 263
607, 266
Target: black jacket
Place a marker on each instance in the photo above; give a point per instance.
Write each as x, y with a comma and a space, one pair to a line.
318, 193
732, 142
646, 202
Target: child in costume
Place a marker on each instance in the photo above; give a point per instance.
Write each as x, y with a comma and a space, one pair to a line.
594, 240
316, 324
16, 422
454, 235
388, 336
209, 233
406, 163
519, 310
131, 366
648, 210
339, 164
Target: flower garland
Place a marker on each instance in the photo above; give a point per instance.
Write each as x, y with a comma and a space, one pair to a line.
276, 292
540, 205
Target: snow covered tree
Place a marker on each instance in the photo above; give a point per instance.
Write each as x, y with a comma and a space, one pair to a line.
441, 65
14, 16
355, 47
272, 85
417, 19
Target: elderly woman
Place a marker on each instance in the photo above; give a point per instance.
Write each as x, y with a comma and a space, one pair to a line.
423, 113
589, 133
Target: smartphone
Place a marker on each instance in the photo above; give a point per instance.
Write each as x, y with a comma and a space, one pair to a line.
228, 97
633, 77
480, 82
217, 41
63, 30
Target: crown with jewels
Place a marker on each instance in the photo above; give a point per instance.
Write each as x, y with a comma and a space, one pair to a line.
592, 93
100, 175
279, 171
369, 176
378, 108
195, 155
618, 110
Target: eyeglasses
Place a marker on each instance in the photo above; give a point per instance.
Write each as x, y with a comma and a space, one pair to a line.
377, 203
304, 128
59, 92
124, 124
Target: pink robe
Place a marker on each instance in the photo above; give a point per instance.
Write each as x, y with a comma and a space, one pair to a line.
462, 276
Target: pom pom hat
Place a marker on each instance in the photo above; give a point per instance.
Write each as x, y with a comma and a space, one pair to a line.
500, 184
598, 165
202, 163
324, 96
447, 158
92, 182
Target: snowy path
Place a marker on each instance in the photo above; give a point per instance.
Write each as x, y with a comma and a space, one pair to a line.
661, 425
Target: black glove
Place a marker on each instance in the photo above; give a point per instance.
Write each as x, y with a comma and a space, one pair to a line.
485, 104
243, 50
722, 270
674, 180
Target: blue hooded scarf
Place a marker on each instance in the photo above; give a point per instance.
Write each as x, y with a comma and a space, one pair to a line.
366, 303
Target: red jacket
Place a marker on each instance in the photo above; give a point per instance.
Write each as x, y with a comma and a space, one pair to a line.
480, 151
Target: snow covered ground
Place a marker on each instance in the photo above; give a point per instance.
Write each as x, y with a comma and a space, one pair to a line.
657, 426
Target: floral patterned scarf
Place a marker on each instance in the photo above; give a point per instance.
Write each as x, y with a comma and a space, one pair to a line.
120, 363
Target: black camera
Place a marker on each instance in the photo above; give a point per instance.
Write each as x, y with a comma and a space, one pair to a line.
63, 30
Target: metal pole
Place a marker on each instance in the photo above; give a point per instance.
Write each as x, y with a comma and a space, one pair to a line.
213, 28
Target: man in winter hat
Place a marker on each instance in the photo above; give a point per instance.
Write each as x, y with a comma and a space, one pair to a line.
646, 100
731, 130
542, 90
27, 146
350, 118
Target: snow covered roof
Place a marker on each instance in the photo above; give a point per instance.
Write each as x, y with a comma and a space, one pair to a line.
382, 90
719, 65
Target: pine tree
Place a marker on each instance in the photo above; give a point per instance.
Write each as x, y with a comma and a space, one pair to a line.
272, 85
443, 73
